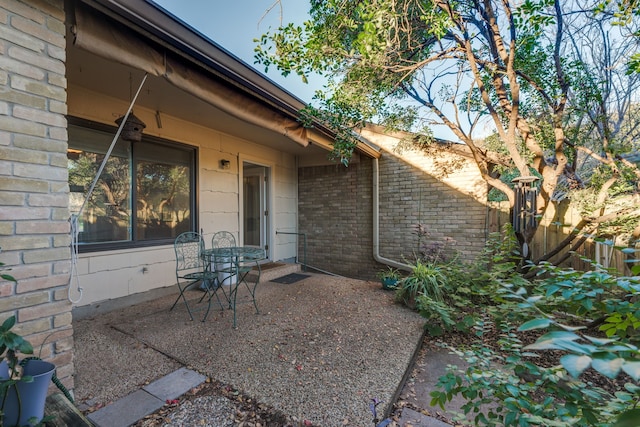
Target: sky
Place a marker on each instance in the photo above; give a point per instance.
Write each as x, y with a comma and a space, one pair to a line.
234, 24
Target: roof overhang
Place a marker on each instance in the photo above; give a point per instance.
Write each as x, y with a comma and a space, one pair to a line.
175, 39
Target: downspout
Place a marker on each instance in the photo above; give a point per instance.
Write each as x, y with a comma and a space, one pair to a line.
376, 223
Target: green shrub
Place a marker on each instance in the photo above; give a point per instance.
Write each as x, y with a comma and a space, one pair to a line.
453, 295
506, 388
424, 279
592, 318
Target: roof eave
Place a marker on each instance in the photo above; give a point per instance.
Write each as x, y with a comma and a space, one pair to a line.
183, 39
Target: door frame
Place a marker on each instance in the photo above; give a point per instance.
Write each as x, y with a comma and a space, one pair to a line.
268, 200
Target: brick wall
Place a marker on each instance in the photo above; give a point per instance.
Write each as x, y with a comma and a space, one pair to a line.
34, 227
450, 207
335, 210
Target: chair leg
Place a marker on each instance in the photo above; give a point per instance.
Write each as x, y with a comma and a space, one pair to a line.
207, 292
252, 289
255, 285
226, 297
219, 288
181, 295
233, 291
229, 278
211, 291
235, 295
253, 295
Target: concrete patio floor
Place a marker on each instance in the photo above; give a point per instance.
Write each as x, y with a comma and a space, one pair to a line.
319, 350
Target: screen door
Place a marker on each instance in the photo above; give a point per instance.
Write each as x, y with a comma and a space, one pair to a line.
255, 178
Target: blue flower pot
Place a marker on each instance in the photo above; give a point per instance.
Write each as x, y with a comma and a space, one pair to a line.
389, 283
32, 394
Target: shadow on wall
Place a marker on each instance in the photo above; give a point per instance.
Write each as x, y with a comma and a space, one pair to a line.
335, 211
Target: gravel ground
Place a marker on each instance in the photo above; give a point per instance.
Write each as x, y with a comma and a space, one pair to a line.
316, 354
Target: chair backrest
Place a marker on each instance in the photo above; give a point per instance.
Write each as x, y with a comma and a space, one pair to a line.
189, 247
223, 239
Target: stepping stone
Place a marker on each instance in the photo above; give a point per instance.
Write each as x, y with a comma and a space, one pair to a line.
126, 411
175, 384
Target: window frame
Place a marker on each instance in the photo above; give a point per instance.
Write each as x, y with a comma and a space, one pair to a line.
193, 178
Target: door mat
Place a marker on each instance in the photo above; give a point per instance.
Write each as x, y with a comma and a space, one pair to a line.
290, 278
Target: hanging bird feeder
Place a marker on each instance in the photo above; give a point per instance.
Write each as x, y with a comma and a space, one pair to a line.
132, 129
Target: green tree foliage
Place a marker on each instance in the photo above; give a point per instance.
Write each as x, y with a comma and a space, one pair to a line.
549, 76
623, 13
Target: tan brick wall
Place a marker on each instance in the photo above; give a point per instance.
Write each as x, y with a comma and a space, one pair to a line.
450, 207
34, 227
336, 210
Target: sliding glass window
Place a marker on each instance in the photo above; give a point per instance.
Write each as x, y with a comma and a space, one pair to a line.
145, 195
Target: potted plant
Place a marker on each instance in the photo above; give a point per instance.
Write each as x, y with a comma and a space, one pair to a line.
389, 277
23, 383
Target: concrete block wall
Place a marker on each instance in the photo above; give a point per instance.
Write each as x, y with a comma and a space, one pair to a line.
34, 191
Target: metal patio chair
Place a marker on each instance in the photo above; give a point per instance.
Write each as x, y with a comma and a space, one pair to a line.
234, 263
222, 244
192, 268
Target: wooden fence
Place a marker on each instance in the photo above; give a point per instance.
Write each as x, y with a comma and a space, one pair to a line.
552, 232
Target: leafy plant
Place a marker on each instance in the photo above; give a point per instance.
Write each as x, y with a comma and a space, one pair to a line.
597, 300
434, 251
11, 345
389, 273
5, 276
465, 291
441, 316
506, 388
591, 318
424, 279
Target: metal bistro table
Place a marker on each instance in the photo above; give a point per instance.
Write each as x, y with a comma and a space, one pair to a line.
236, 265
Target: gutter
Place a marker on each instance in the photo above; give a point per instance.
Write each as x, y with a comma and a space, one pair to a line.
185, 40
151, 20
376, 224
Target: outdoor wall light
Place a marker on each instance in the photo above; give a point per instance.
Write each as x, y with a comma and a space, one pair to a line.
225, 164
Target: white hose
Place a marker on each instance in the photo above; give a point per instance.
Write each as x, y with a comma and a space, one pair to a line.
74, 217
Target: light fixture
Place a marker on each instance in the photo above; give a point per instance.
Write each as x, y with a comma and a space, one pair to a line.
225, 164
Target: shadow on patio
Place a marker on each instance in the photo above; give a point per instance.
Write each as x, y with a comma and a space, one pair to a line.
319, 350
